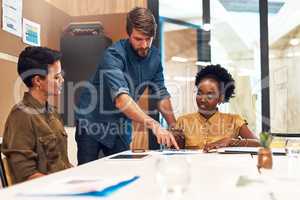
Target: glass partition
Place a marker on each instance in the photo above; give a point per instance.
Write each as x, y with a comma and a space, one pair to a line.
179, 22
284, 56
235, 44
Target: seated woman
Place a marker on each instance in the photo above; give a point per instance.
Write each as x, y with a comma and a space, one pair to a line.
208, 128
34, 140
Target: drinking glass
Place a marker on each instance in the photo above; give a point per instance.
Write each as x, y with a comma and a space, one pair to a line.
173, 176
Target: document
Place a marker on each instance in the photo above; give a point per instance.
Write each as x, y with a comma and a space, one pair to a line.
79, 186
171, 152
12, 16
31, 33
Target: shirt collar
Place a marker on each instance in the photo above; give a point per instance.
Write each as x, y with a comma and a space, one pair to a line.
30, 101
212, 119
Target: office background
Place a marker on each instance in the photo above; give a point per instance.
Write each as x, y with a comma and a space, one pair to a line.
193, 33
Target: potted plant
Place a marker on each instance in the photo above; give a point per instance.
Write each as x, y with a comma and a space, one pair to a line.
265, 153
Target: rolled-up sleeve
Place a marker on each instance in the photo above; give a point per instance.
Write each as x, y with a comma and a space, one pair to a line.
18, 146
158, 88
114, 77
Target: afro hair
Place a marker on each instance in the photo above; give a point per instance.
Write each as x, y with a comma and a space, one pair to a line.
222, 76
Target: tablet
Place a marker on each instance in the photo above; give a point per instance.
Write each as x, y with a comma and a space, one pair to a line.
130, 156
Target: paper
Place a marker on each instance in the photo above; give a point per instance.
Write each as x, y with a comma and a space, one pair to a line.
12, 16
78, 186
31, 33
178, 152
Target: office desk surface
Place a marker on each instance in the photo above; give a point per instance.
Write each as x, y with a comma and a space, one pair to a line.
213, 176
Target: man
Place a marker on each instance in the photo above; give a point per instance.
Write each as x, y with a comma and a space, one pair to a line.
108, 104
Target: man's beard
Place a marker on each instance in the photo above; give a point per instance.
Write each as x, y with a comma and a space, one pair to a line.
142, 52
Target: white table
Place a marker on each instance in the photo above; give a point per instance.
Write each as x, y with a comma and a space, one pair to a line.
214, 176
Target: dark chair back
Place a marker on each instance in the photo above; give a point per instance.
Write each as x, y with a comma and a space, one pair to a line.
2, 171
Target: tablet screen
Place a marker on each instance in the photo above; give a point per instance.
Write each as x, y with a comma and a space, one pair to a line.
129, 156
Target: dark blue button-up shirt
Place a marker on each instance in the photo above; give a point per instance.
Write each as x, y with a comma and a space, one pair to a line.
121, 70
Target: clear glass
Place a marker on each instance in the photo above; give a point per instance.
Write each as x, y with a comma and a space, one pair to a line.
173, 176
293, 159
284, 58
179, 50
235, 45
293, 148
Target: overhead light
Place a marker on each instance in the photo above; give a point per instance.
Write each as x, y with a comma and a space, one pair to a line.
179, 59
201, 63
207, 27
294, 41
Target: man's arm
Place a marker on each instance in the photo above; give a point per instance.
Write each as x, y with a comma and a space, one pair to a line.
165, 108
127, 106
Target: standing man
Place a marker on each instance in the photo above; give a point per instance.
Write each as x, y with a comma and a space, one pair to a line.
107, 104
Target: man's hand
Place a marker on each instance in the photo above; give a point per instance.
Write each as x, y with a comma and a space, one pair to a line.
225, 142
165, 137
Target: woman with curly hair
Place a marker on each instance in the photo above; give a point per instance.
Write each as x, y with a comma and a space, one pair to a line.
208, 128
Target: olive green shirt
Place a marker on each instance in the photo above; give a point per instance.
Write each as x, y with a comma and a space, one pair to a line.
34, 140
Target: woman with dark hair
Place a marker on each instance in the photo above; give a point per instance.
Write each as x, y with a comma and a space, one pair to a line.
208, 128
34, 140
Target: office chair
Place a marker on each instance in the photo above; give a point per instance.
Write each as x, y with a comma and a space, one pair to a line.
2, 171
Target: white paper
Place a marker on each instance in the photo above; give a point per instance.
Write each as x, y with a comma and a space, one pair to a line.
178, 152
31, 33
12, 16
67, 186
14, 4
73, 186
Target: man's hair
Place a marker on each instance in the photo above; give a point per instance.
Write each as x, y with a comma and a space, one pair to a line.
34, 61
142, 20
222, 76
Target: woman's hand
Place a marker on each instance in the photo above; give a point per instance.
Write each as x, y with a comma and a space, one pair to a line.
225, 142
35, 175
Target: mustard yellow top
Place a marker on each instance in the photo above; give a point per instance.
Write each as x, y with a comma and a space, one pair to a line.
198, 130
